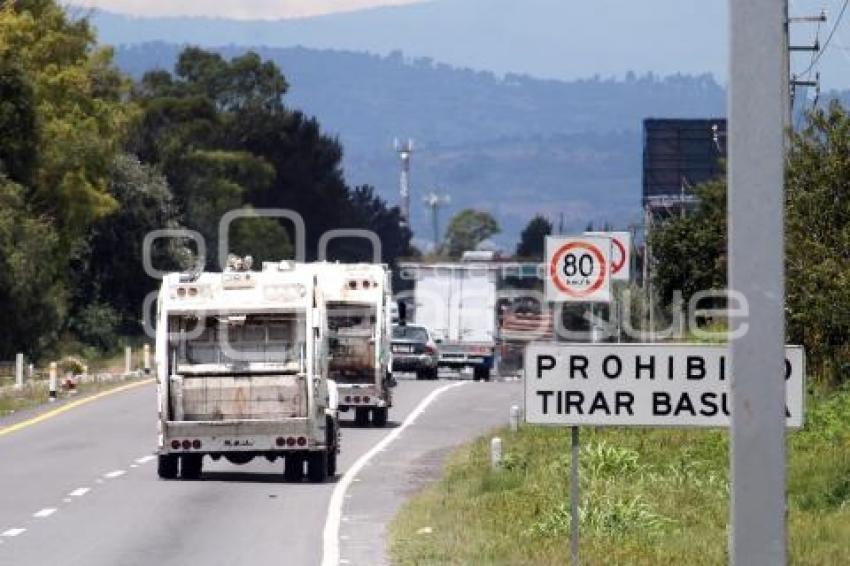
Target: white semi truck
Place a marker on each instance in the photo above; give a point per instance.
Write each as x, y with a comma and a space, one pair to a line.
242, 372
457, 303
357, 299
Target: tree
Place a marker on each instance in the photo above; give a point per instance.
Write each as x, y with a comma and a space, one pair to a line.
532, 240
80, 113
690, 253
468, 229
108, 269
32, 289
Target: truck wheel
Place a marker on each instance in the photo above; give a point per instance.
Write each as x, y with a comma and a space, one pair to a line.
379, 416
293, 467
167, 466
331, 462
317, 466
485, 374
434, 373
420, 374
476, 373
361, 416
191, 466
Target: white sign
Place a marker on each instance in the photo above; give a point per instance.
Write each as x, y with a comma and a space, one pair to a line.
578, 269
621, 255
641, 384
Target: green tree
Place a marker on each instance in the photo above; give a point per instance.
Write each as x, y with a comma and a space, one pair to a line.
818, 241
690, 253
32, 286
108, 269
80, 111
532, 240
467, 229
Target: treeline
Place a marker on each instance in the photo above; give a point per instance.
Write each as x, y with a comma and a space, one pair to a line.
689, 252
91, 162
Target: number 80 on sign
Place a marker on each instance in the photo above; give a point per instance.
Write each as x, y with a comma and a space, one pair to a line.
578, 269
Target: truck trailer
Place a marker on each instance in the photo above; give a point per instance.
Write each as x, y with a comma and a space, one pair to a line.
457, 303
357, 299
242, 371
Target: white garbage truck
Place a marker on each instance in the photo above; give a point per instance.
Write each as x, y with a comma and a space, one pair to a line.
242, 371
357, 298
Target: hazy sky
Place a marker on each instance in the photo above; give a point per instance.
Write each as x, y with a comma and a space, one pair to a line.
236, 9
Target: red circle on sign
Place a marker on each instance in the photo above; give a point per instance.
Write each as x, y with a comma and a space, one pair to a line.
616, 267
561, 252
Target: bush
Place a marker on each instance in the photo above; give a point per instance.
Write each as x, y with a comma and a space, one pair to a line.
96, 325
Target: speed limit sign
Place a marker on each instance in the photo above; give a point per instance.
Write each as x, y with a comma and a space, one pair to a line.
578, 269
621, 244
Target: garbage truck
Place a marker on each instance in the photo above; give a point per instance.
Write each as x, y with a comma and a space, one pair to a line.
357, 298
242, 371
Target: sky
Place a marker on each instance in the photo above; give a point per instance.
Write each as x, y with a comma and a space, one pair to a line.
236, 9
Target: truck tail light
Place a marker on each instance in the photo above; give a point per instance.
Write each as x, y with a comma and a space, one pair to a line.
196, 444
430, 350
302, 441
186, 445
175, 444
366, 399
280, 441
290, 441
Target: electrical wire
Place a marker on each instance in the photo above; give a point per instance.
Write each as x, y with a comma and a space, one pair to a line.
818, 55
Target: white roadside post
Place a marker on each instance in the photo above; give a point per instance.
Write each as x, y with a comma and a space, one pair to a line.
758, 97
51, 383
495, 453
514, 420
146, 358
128, 360
19, 371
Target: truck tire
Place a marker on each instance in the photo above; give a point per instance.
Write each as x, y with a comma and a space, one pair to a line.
191, 466
379, 416
317, 466
480, 373
361, 416
434, 373
166, 466
332, 462
293, 467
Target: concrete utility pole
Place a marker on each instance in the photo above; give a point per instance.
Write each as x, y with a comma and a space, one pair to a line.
404, 150
758, 103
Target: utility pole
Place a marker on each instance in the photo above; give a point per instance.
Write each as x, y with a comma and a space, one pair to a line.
434, 201
404, 150
758, 111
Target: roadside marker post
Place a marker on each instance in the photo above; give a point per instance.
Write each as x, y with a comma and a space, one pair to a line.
51, 384
146, 358
128, 359
19, 371
514, 418
495, 453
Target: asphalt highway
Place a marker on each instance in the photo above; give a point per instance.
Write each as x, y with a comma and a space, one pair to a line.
80, 487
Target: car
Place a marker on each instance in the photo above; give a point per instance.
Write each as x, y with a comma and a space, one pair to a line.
414, 350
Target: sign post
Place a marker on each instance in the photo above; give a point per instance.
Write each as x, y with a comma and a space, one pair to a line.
579, 269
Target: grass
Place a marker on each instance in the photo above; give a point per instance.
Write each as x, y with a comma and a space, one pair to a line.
649, 496
36, 394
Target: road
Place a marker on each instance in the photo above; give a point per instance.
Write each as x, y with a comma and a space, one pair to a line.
80, 488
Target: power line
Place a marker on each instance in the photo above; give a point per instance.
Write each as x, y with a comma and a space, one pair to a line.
817, 57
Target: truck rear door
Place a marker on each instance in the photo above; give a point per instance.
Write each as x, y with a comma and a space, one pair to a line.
476, 310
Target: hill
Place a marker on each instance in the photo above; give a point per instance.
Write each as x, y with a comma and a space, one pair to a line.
516, 145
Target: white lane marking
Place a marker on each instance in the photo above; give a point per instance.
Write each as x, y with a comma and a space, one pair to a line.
80, 491
115, 474
144, 459
12, 532
67, 500
134, 465
46, 512
330, 536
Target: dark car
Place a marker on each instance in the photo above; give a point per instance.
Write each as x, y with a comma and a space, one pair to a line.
414, 350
